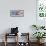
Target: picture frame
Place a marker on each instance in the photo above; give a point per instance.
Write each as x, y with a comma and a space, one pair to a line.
41, 12
17, 13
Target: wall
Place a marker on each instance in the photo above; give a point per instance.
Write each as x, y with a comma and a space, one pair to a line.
24, 23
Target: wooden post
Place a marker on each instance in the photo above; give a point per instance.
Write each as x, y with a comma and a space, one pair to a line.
5, 39
17, 39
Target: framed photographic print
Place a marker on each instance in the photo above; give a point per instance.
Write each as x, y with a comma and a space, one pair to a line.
17, 13
41, 12
41, 8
